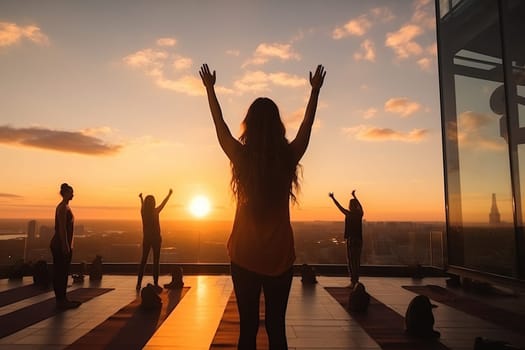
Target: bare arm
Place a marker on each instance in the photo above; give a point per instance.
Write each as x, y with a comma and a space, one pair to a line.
226, 140
141, 202
161, 206
339, 206
300, 143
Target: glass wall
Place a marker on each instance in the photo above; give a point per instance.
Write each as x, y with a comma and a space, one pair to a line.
482, 80
194, 241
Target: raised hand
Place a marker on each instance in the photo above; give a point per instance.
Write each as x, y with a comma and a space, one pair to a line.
317, 79
208, 79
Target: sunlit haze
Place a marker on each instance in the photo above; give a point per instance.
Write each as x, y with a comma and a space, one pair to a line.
200, 206
106, 96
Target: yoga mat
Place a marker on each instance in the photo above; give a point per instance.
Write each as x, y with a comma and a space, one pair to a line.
132, 326
25, 317
501, 317
227, 333
20, 293
384, 325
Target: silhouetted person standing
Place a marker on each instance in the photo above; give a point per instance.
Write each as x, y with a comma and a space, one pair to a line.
62, 248
353, 235
264, 179
151, 238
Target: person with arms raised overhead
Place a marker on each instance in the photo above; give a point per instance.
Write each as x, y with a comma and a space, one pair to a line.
151, 238
353, 235
265, 169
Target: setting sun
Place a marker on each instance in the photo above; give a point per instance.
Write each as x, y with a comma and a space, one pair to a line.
200, 206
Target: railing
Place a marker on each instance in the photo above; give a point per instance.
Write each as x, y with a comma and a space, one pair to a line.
316, 243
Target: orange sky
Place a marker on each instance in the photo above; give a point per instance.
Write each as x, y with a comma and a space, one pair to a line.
109, 100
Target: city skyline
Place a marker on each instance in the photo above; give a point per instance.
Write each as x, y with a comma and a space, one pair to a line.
106, 96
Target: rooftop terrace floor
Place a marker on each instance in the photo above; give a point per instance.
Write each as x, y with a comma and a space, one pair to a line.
315, 320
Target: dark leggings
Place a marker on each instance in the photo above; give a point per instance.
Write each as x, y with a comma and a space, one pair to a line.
61, 264
146, 246
248, 286
353, 256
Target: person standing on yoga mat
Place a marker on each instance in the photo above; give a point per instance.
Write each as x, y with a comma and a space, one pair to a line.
265, 176
353, 235
62, 248
151, 238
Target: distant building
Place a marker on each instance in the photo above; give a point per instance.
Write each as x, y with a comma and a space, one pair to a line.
494, 217
31, 229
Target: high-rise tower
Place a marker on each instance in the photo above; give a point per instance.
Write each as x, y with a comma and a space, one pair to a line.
494, 217
31, 229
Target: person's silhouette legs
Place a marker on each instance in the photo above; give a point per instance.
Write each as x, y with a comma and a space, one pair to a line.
156, 262
276, 291
247, 286
145, 252
354, 259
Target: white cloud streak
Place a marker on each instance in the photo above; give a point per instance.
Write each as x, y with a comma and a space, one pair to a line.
267, 51
406, 42
160, 64
402, 106
12, 33
403, 41
354, 27
377, 134
258, 81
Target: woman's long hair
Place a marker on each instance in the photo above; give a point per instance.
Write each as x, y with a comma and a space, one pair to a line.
266, 170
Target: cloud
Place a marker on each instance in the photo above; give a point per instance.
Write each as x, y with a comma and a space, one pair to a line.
369, 113
354, 27
366, 52
10, 195
472, 121
406, 42
187, 84
266, 51
403, 43
257, 81
432, 49
361, 25
373, 133
161, 64
103, 130
294, 120
56, 140
146, 59
172, 71
11, 33
402, 106
425, 64
424, 14
166, 42
382, 13
476, 131
235, 53
182, 63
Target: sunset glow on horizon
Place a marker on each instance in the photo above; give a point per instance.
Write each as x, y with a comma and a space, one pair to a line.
106, 96
200, 206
